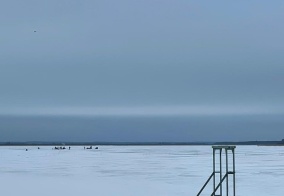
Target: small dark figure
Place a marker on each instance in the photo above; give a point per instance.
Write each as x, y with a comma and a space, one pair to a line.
84, 147
69, 147
26, 149
91, 147
97, 148
34, 31
38, 148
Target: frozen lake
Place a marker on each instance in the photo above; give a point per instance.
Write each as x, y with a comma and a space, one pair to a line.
134, 170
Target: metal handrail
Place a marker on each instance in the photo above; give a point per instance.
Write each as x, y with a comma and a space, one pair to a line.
224, 177
217, 187
226, 174
205, 184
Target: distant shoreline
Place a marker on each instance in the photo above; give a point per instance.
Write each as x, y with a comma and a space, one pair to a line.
38, 143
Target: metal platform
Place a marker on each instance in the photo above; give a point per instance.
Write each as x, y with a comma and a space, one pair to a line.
217, 175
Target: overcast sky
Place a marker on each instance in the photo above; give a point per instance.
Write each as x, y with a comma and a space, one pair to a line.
141, 63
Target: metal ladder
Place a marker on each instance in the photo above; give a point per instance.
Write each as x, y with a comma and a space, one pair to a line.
215, 174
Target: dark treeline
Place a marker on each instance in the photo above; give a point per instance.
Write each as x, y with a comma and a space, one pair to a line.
38, 143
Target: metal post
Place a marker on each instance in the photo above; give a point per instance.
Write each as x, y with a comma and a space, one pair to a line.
227, 170
220, 171
234, 172
214, 172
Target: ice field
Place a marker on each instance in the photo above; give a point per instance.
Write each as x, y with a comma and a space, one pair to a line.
134, 170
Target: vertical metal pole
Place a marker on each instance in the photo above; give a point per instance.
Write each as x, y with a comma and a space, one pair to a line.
214, 170
221, 171
227, 179
234, 172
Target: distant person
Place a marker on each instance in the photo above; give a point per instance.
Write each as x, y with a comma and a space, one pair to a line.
26, 149
69, 147
84, 147
97, 148
38, 148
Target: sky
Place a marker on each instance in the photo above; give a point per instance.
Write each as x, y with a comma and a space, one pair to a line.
151, 70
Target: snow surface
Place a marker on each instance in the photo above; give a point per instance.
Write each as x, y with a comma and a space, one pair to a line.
134, 171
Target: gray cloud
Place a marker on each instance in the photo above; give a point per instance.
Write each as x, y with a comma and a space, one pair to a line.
141, 129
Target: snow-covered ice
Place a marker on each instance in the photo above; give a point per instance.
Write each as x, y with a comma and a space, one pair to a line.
134, 171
